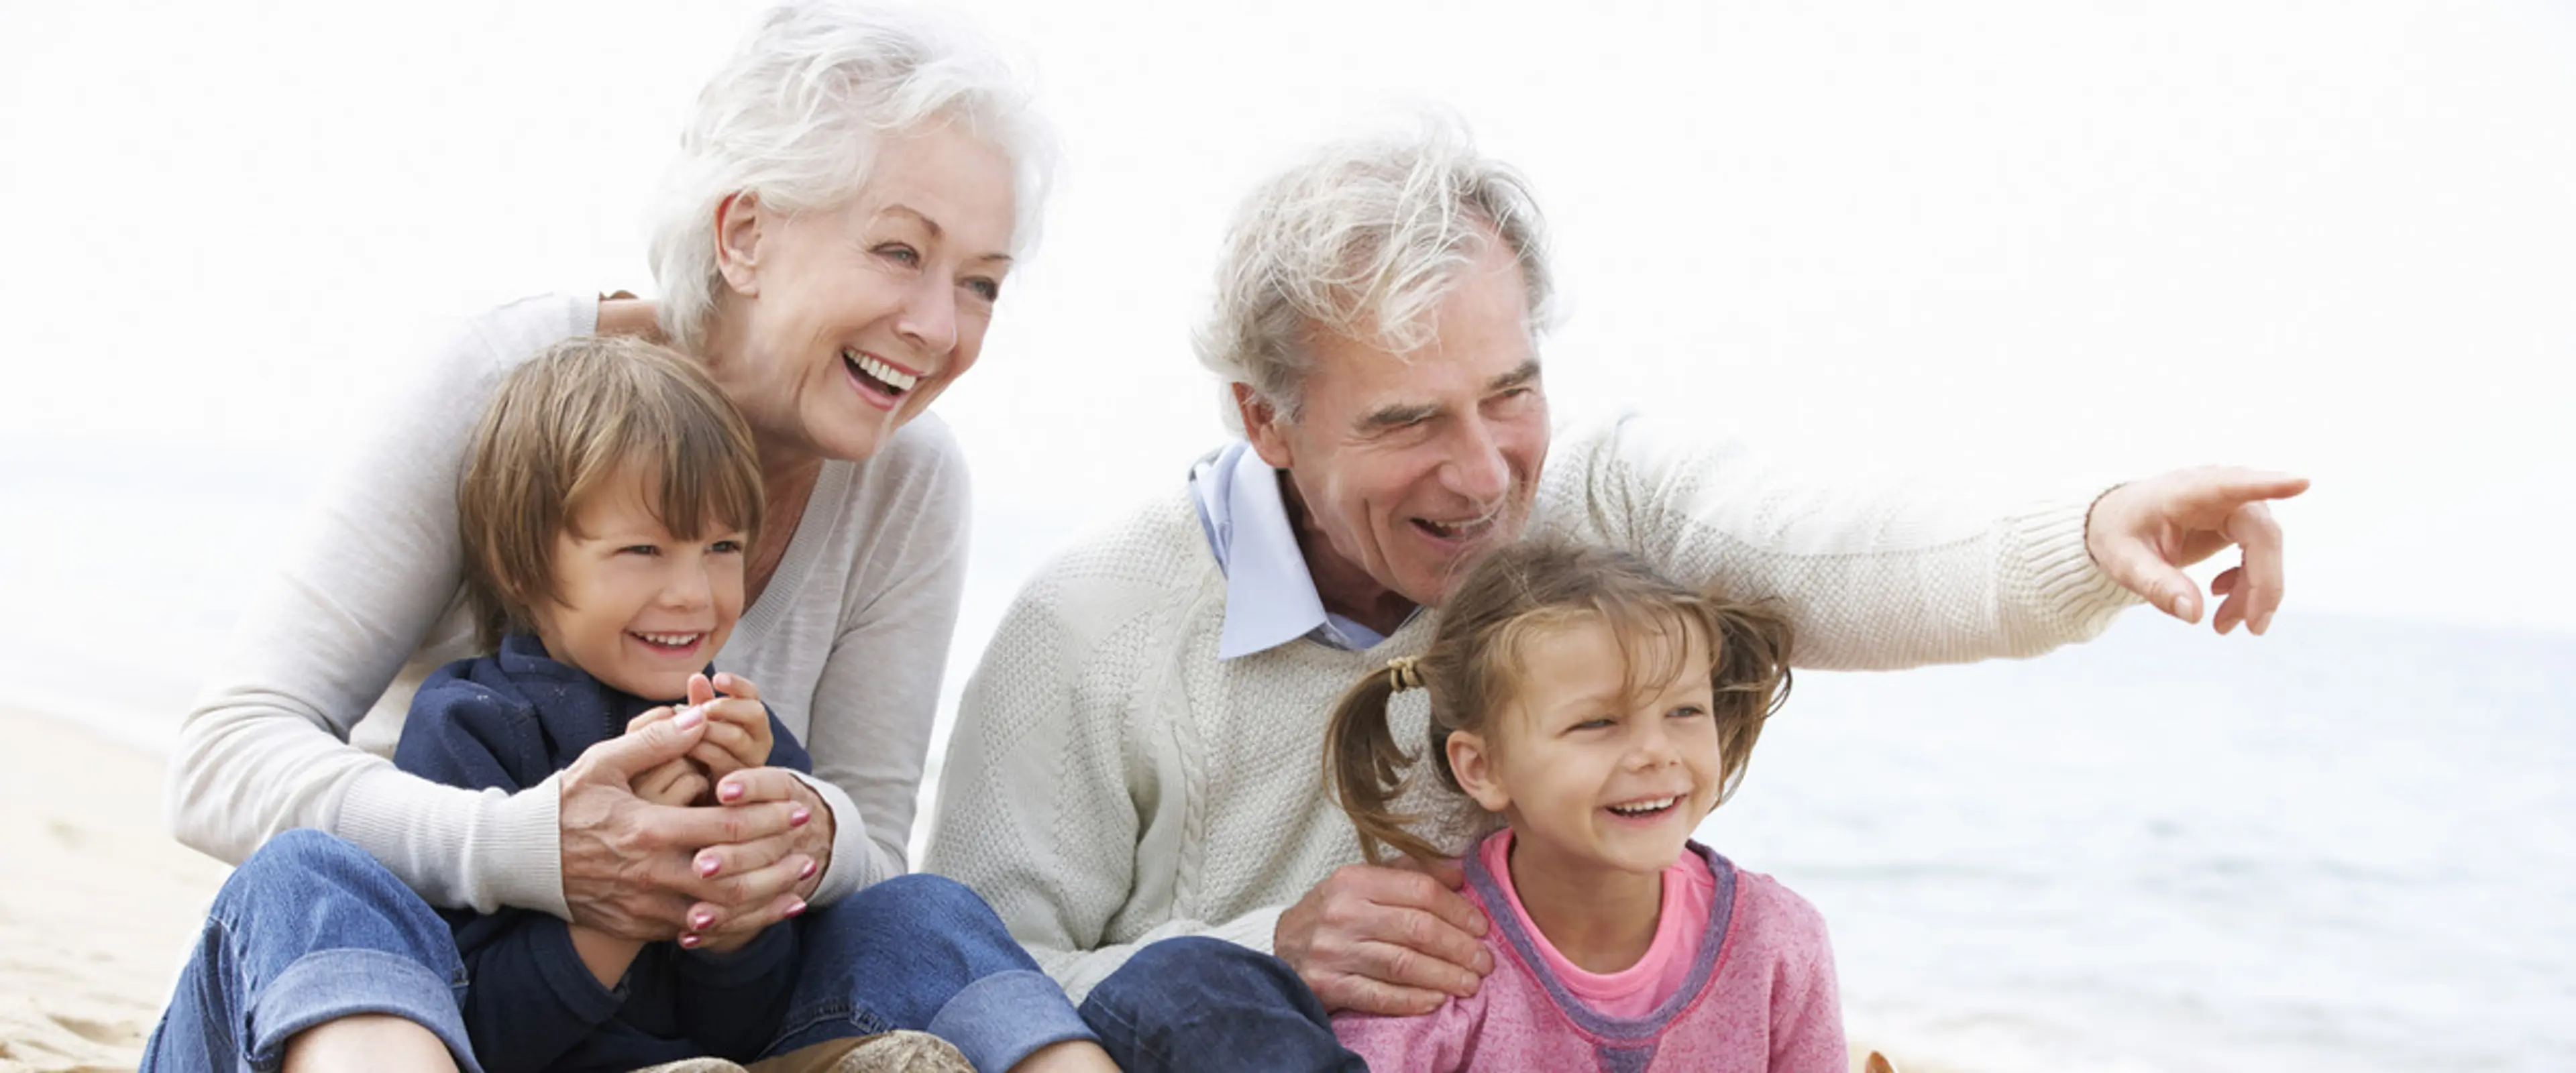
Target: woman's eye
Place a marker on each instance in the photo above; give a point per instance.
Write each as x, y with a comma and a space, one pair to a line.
988, 290
900, 254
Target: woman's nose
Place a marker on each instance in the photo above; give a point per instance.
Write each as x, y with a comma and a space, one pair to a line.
928, 319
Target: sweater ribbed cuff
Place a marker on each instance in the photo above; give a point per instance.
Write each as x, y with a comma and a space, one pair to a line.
461, 848
2051, 572
853, 864
1255, 929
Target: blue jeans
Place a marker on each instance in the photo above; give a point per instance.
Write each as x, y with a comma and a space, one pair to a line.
1195, 1003
311, 929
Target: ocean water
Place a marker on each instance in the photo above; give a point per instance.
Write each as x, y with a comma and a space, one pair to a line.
2350, 845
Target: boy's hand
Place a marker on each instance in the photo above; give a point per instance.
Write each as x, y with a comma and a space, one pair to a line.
678, 782
737, 725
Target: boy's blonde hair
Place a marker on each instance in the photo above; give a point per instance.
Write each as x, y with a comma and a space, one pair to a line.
1469, 670
560, 428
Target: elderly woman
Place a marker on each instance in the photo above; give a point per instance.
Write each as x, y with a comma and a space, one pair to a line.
838, 228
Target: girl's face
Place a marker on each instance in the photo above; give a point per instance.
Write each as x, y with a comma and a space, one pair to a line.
1594, 765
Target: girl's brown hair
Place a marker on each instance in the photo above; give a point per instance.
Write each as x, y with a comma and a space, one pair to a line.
1516, 592
567, 422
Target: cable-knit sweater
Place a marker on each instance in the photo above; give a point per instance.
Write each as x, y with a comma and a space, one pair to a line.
1112, 782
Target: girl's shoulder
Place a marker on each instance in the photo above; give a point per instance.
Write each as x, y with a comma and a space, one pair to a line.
1769, 918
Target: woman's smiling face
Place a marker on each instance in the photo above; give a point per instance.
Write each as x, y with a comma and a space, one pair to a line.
839, 325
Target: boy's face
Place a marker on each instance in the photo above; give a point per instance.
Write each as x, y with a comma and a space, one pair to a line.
637, 607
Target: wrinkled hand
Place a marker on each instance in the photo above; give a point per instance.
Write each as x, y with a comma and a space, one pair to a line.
676, 782
642, 871
1396, 941
2143, 533
764, 880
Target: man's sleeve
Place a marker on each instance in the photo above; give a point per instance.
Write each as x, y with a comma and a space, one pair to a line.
1872, 575
1036, 811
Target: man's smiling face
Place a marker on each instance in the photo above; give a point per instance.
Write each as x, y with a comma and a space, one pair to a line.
1406, 468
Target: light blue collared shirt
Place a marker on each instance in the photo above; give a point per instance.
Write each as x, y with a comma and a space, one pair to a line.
1270, 598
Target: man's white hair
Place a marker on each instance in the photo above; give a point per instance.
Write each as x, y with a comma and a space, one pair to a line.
1362, 240
798, 114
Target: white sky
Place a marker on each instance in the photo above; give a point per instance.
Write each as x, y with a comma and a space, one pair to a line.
2007, 242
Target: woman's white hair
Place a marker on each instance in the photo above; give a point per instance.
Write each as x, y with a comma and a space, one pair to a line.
1362, 240
797, 116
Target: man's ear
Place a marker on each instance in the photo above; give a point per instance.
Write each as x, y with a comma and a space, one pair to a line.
1473, 764
739, 223
1263, 426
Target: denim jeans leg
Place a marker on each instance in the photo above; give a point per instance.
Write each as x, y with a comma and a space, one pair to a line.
1196, 1003
923, 952
309, 929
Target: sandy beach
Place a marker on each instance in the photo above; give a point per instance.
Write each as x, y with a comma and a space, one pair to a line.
100, 904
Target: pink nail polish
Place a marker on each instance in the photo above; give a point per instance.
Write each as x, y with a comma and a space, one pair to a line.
707, 866
797, 908
729, 791
798, 817
690, 940
806, 872
701, 921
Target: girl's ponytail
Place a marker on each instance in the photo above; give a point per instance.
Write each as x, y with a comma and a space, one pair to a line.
1365, 767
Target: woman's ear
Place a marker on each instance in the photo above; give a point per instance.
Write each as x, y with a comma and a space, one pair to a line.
739, 220
1473, 765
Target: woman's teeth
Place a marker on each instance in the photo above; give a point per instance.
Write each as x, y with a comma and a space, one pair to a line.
896, 380
1454, 530
1645, 808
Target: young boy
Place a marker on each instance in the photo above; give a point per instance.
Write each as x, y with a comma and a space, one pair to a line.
607, 507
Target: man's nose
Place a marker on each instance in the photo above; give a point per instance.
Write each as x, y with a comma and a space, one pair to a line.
1476, 468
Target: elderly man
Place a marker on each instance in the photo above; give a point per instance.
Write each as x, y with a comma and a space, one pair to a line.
1138, 759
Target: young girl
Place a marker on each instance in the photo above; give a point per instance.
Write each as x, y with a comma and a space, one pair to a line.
1600, 711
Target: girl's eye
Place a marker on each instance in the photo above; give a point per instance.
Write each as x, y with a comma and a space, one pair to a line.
900, 254
986, 289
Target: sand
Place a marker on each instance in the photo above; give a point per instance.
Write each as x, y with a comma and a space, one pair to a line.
99, 905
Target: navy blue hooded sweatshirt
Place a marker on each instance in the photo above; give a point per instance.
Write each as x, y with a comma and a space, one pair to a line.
506, 721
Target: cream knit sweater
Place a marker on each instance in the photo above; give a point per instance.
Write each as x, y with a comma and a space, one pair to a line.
1111, 782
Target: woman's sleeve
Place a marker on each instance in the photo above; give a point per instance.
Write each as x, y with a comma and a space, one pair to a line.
370, 570
869, 728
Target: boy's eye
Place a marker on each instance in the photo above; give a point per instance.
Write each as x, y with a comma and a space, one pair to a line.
1686, 711
1598, 723
726, 547
640, 549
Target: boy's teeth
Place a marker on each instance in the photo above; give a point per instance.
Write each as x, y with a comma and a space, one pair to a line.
893, 377
671, 639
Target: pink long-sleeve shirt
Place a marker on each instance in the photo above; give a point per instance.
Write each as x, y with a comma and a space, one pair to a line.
1751, 988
